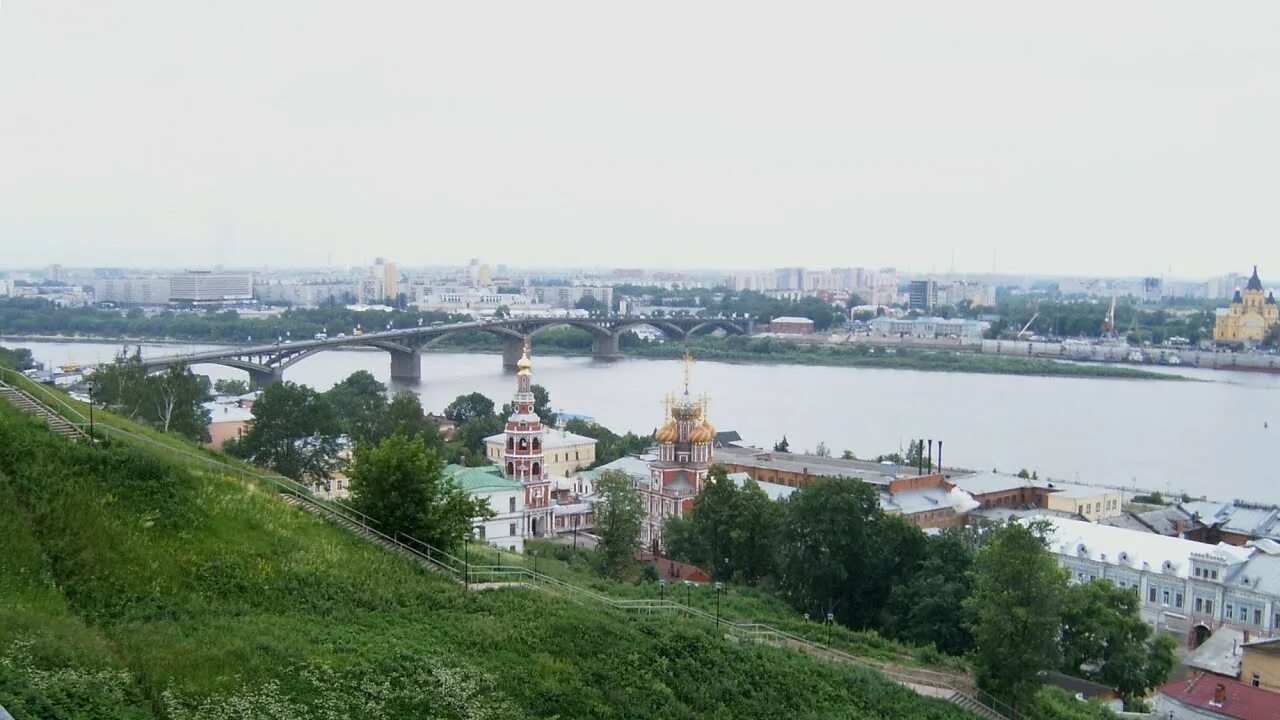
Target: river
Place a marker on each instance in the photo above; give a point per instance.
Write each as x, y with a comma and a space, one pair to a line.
1204, 438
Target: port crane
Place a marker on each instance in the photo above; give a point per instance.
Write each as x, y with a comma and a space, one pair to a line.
1023, 332
1109, 324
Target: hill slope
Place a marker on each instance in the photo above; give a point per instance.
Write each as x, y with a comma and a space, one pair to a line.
139, 588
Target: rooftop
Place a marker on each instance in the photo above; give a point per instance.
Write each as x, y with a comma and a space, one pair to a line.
551, 439
1270, 646
477, 480
1243, 702
1079, 686
984, 483
1219, 654
816, 465
775, 491
1082, 491
792, 319
1121, 547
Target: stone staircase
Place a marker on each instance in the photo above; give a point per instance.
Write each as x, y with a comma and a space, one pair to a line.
26, 403
965, 702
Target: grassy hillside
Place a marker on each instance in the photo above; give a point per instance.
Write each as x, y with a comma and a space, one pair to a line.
142, 588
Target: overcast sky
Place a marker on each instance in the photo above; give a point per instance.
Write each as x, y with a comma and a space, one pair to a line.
1084, 137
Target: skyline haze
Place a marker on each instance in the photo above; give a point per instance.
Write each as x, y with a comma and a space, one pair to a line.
1098, 139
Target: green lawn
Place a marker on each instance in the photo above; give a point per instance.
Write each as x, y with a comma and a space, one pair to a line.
139, 586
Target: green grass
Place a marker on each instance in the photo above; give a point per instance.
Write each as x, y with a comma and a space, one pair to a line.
192, 594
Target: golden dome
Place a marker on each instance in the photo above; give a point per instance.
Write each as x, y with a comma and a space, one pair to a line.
668, 433
703, 433
524, 364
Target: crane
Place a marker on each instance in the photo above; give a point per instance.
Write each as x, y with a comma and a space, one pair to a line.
1109, 324
1023, 332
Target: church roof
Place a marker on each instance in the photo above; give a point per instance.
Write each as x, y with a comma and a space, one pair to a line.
1271, 298
1254, 282
1238, 297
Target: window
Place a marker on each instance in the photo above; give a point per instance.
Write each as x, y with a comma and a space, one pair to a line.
511, 504
480, 533
1257, 616
1151, 594
1177, 600
1197, 572
1164, 598
1214, 574
1255, 680
1208, 606
511, 529
1228, 612
1199, 604
575, 455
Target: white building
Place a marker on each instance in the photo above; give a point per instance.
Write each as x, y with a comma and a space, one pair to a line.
204, 286
1187, 588
563, 452
505, 498
132, 291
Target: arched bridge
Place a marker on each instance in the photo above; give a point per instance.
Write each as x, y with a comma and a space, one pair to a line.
267, 363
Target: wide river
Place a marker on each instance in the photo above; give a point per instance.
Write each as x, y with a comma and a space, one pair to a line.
1206, 438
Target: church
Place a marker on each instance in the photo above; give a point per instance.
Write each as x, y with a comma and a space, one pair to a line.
1251, 315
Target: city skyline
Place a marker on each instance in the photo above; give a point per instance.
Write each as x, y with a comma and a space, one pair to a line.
1094, 140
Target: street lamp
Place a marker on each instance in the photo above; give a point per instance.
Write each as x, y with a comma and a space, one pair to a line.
662, 591
92, 385
688, 593
719, 587
831, 620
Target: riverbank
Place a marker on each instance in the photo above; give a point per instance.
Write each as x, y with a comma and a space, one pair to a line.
739, 350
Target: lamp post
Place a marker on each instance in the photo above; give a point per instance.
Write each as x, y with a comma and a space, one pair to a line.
831, 620
575, 533
466, 561
92, 385
719, 587
662, 591
688, 593
535, 562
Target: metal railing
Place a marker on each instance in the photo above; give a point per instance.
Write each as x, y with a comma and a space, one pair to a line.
465, 571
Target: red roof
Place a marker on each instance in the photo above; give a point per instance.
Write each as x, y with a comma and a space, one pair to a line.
1243, 702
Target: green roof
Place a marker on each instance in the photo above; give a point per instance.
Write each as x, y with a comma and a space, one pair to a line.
474, 480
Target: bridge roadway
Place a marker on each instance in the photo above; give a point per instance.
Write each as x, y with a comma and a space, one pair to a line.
266, 363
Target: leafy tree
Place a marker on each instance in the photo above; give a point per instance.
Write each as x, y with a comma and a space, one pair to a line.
618, 517
590, 304
848, 455
295, 432
17, 358
839, 553
782, 445
359, 400
229, 386
465, 407
929, 607
401, 484
175, 397
1015, 612
404, 416
1105, 639
822, 450
731, 531
122, 385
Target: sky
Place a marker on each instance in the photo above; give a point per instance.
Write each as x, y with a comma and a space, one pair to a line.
1099, 138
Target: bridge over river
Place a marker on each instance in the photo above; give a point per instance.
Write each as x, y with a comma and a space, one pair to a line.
266, 363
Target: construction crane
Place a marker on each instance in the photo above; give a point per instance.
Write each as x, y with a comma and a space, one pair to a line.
1023, 332
1109, 323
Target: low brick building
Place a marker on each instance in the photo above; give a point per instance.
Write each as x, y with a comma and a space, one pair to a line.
791, 326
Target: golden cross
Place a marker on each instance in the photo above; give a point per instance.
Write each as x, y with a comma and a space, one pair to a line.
528, 344
688, 363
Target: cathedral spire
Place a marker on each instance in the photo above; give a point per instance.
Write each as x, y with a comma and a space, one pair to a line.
1254, 282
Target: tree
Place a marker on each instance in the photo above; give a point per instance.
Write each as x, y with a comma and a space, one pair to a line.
358, 400
228, 386
782, 445
176, 398
404, 416
17, 358
1015, 612
121, 385
294, 432
401, 484
822, 450
1105, 639
618, 516
731, 530
929, 607
590, 304
839, 553
609, 445
466, 407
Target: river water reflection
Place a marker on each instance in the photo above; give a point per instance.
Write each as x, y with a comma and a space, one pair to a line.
1207, 438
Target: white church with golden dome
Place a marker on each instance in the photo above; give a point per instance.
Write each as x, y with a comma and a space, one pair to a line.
1251, 315
685, 451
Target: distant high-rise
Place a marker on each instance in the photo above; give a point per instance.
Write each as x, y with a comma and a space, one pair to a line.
789, 278
203, 286
921, 295
386, 273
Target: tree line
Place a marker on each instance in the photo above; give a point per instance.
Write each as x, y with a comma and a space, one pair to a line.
996, 596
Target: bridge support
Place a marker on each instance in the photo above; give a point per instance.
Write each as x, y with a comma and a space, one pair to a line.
260, 379
512, 350
605, 346
406, 366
